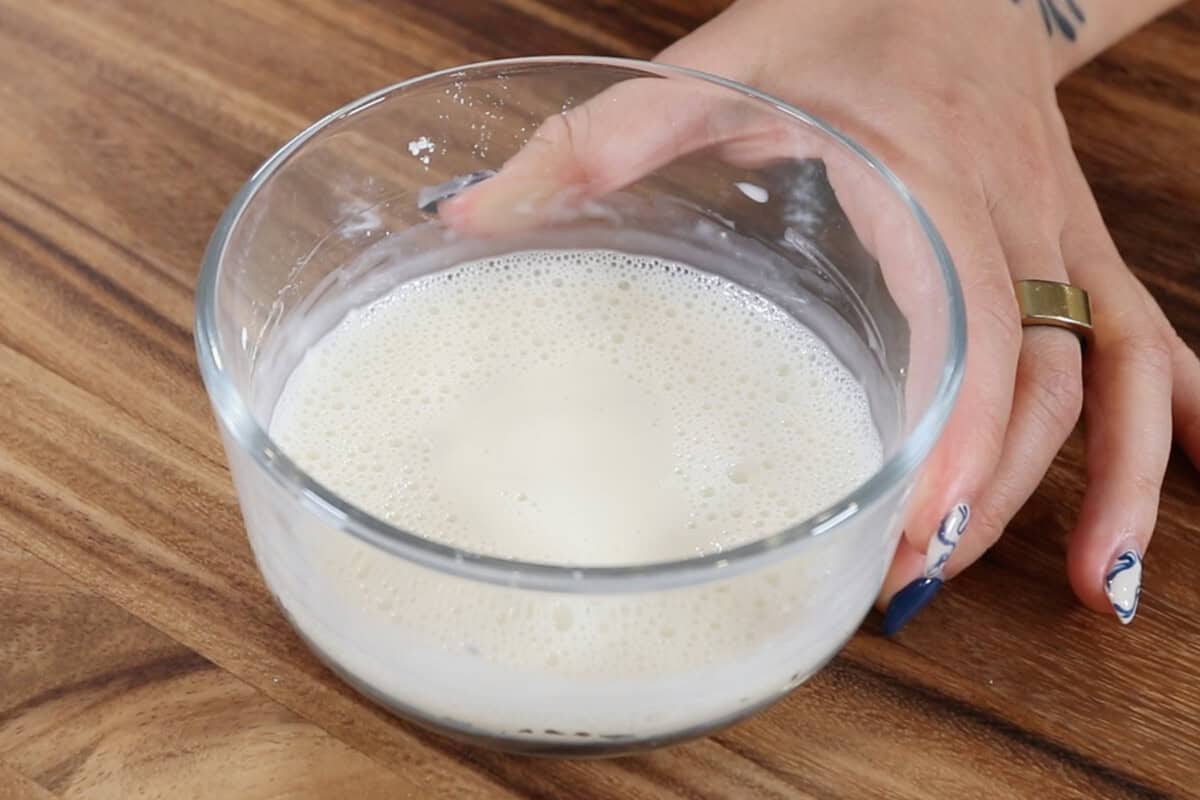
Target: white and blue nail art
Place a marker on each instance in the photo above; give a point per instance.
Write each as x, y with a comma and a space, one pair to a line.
945, 540
1123, 585
916, 595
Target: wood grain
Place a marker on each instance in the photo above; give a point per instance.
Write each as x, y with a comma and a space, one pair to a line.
96, 703
139, 652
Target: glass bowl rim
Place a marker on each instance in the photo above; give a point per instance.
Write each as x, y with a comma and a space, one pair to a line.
234, 415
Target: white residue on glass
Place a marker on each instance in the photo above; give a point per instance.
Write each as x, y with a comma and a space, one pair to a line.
421, 148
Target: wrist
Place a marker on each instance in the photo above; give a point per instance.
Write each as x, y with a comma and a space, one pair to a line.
1079, 30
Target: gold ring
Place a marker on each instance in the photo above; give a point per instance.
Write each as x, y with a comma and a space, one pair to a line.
1059, 304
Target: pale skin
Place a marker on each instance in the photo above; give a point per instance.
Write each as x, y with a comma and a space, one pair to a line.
959, 100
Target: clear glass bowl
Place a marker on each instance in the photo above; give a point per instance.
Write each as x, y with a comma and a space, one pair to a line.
816, 224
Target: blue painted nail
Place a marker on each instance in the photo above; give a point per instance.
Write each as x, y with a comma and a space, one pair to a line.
907, 602
916, 595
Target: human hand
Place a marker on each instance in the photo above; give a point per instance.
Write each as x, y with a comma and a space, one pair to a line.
958, 99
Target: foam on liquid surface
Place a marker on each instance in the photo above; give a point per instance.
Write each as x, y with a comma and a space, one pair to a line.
580, 408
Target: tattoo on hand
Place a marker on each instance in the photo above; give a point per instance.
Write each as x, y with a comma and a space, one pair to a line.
1063, 16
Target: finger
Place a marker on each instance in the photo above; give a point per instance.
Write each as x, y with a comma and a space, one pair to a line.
1046, 407
1028, 214
619, 135
626, 131
1127, 410
1185, 389
1185, 396
966, 456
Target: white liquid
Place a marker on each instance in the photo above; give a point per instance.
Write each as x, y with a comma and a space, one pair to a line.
580, 408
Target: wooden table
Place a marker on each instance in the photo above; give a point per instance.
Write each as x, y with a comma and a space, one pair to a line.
140, 655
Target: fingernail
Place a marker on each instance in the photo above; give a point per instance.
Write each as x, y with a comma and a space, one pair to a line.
907, 602
1123, 585
916, 595
946, 539
429, 197
509, 204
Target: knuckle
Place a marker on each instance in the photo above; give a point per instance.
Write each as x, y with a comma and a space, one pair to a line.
953, 117
1055, 382
1027, 177
1176, 343
1039, 191
555, 129
1028, 157
1028, 195
565, 139
960, 104
999, 317
1058, 402
1027, 120
1144, 349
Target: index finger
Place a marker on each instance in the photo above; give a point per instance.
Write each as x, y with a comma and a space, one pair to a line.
616, 137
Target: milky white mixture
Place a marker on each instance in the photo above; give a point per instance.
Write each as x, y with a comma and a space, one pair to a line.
580, 408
